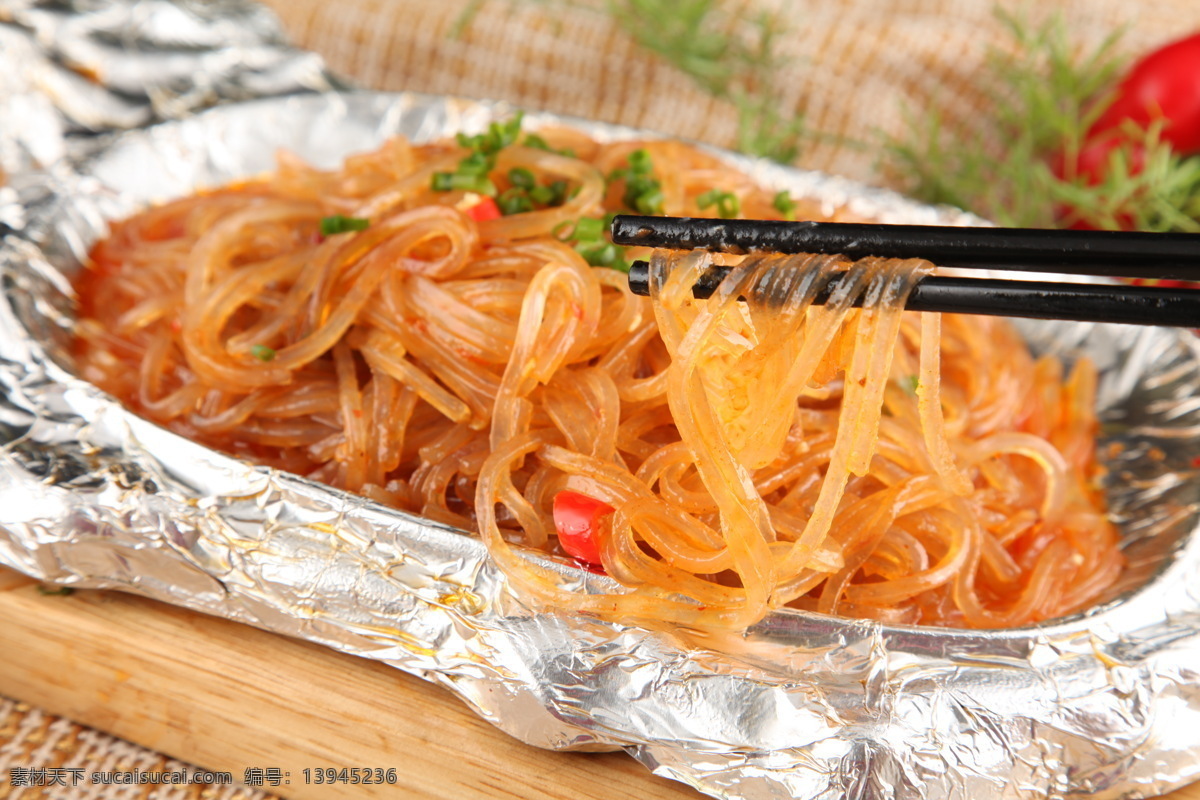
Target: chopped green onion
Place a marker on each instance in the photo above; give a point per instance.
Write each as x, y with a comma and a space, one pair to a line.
339, 224
532, 140
643, 193
507, 132
475, 164
590, 237
262, 353
514, 201
552, 195
498, 136
603, 254
650, 201
598, 254
640, 166
62, 591
727, 203
473, 170
446, 181
911, 383
634, 188
588, 229
465, 181
728, 206
785, 205
522, 178
640, 163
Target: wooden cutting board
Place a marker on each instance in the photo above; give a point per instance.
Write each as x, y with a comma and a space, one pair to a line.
224, 696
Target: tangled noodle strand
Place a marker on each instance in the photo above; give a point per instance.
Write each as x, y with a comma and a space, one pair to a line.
758, 450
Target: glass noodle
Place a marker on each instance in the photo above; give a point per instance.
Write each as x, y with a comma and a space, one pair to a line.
757, 453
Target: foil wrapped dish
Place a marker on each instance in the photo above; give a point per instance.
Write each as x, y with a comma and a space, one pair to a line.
799, 704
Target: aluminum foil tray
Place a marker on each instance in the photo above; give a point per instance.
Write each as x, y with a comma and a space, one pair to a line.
802, 705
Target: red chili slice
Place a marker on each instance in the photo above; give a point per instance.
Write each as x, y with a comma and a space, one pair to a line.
581, 524
484, 210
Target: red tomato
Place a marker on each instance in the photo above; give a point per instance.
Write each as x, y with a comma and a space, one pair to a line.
580, 522
1163, 85
484, 210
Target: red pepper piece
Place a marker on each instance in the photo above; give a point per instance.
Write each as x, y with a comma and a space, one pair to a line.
581, 524
484, 210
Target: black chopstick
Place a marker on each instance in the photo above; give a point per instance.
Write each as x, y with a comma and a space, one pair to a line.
1153, 256
1079, 302
1173, 256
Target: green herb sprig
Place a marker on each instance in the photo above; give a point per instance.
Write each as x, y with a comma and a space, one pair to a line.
1044, 97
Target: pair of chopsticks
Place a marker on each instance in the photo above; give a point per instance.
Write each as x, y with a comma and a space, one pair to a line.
1156, 256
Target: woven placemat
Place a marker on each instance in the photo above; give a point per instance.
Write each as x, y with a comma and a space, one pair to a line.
44, 757
853, 66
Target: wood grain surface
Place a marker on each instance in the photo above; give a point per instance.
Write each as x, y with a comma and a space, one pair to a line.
224, 696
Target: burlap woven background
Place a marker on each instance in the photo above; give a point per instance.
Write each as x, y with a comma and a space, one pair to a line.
30, 738
854, 66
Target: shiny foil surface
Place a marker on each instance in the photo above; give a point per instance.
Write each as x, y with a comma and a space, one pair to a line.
802, 705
